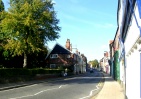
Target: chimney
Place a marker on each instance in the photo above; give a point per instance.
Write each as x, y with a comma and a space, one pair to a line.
111, 41
68, 44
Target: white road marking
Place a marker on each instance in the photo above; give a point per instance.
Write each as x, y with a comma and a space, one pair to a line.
20, 87
37, 93
91, 92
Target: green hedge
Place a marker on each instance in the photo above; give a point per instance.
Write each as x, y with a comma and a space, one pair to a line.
7, 72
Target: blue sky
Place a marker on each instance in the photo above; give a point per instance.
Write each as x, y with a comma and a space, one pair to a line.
89, 24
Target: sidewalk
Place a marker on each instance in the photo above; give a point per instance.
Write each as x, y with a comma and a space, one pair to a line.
111, 89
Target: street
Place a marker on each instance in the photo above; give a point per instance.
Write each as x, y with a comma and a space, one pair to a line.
82, 86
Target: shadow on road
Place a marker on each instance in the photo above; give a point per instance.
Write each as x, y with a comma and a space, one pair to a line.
87, 78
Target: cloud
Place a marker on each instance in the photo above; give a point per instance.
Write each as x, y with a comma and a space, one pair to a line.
76, 19
106, 25
101, 13
78, 9
84, 21
74, 7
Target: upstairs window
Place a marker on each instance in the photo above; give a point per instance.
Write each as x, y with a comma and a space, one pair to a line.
54, 56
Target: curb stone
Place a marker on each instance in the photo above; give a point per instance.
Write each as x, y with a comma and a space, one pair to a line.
100, 84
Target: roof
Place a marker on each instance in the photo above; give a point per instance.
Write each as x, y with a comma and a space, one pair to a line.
58, 49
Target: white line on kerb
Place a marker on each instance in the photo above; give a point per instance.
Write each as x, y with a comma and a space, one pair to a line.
91, 92
37, 93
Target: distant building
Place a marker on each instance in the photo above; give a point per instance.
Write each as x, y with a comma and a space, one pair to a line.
60, 57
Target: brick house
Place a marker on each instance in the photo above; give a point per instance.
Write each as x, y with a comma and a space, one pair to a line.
60, 57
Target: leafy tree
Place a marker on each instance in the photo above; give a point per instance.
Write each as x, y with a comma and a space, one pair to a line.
1, 6
1, 11
37, 60
1, 35
94, 63
28, 25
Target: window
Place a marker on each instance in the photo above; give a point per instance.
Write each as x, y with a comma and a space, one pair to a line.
52, 66
54, 56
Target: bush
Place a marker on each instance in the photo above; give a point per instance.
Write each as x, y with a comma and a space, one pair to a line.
10, 72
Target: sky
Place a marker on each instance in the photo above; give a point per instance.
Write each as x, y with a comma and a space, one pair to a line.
89, 24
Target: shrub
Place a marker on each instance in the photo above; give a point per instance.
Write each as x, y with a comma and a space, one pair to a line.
10, 72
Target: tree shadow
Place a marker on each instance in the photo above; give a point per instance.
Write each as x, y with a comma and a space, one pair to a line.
87, 78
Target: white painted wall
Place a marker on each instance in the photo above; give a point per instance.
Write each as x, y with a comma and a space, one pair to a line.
122, 72
133, 61
120, 22
133, 75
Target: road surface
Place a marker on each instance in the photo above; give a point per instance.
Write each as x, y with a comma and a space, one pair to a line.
82, 86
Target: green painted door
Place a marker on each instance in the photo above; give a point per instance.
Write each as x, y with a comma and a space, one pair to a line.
116, 66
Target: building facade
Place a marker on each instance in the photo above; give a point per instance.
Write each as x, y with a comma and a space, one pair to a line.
129, 22
61, 57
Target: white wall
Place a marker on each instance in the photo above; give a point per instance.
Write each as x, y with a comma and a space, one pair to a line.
133, 75
133, 61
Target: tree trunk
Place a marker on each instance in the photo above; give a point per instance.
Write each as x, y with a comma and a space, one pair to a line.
25, 61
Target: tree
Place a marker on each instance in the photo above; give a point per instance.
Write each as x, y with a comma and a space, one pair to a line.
1, 6
1, 35
28, 25
38, 60
94, 63
1, 11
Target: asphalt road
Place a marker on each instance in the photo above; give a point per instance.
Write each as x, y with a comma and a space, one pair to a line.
80, 87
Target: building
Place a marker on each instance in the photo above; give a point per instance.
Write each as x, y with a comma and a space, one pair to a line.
61, 57
129, 27
111, 57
